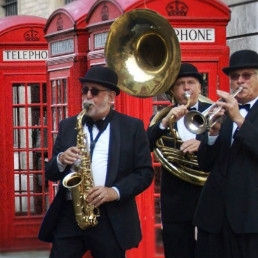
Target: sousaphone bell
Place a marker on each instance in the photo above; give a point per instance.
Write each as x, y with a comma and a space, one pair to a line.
143, 49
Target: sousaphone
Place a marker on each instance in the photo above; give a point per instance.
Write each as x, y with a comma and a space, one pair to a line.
144, 50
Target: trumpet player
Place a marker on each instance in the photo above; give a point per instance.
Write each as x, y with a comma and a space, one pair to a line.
178, 197
227, 213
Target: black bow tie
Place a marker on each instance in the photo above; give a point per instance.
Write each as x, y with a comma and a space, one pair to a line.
245, 106
90, 122
192, 108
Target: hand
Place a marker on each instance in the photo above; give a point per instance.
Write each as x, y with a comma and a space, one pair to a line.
71, 155
176, 113
98, 195
217, 117
190, 146
230, 105
215, 129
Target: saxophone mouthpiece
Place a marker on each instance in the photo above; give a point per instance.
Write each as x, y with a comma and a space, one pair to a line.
86, 106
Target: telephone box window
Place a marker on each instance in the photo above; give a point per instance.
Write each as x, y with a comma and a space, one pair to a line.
59, 110
30, 148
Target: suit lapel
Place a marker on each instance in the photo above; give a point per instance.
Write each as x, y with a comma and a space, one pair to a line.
250, 116
114, 147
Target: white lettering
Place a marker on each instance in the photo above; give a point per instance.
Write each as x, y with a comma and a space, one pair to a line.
195, 35
24, 55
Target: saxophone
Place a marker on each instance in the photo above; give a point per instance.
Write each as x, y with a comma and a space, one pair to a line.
80, 180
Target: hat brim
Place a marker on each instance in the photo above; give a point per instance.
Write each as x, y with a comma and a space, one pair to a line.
106, 84
198, 76
228, 70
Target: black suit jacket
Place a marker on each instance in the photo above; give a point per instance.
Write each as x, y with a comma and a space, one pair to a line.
178, 198
129, 169
231, 189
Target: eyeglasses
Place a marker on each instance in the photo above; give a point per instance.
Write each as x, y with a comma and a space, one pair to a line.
94, 91
246, 76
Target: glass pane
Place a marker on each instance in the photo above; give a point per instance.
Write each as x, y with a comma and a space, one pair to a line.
64, 90
205, 84
159, 242
53, 92
34, 90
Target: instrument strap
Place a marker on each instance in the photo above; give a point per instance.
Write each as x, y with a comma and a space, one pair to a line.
94, 141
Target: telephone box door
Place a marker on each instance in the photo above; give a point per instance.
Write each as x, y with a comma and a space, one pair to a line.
25, 187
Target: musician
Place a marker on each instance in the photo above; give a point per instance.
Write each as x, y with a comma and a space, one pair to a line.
121, 169
227, 212
178, 197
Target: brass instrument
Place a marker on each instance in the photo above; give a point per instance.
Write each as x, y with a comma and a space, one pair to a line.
184, 166
197, 122
144, 50
171, 120
80, 180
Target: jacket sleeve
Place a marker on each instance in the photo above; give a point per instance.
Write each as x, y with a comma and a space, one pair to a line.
52, 171
154, 133
207, 154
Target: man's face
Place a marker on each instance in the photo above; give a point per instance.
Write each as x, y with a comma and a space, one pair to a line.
100, 97
248, 79
184, 84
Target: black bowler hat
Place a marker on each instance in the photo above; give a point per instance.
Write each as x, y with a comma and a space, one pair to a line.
242, 59
102, 75
187, 70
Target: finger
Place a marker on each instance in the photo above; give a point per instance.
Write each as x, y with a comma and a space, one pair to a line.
97, 201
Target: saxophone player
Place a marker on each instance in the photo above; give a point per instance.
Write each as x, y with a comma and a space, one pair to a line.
121, 169
178, 197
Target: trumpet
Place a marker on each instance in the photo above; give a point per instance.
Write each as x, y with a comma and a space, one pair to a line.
197, 122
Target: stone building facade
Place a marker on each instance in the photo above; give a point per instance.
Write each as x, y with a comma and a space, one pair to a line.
41, 8
242, 30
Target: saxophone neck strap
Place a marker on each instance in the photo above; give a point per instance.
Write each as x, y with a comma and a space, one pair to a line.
105, 123
93, 141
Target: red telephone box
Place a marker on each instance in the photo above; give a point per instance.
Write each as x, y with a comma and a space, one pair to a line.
23, 125
67, 38
76, 36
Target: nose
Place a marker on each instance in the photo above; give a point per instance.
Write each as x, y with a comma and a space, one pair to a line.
186, 87
89, 95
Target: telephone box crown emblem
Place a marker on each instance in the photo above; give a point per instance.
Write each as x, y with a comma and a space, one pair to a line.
105, 13
31, 35
177, 8
59, 23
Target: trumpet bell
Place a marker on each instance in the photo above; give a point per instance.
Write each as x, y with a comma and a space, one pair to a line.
144, 50
195, 122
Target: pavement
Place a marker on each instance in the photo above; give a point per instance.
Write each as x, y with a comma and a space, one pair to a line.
25, 254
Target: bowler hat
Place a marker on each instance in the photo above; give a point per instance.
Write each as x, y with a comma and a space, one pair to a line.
102, 75
187, 69
242, 59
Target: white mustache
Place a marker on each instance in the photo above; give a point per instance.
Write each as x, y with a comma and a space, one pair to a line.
87, 104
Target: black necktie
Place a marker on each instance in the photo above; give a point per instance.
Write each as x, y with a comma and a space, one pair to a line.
245, 106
